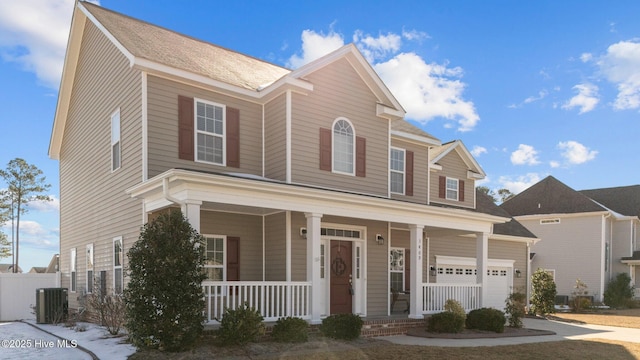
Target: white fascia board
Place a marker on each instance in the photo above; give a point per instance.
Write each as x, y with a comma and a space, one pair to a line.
109, 36
389, 112
435, 166
474, 175
423, 140
187, 185
571, 215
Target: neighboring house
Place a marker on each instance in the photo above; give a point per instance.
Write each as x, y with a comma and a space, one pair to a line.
38, 270
52, 268
8, 268
313, 193
589, 235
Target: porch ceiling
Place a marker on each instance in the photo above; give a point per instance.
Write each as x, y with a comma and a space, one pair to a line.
262, 196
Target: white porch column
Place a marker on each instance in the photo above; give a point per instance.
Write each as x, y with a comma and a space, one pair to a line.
191, 210
415, 300
482, 264
313, 264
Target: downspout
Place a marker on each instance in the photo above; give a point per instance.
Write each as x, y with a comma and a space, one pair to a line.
528, 290
603, 268
165, 193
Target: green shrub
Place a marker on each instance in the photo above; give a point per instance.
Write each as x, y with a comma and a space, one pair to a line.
486, 319
515, 308
619, 291
543, 293
290, 329
342, 326
240, 326
455, 307
163, 298
579, 301
446, 322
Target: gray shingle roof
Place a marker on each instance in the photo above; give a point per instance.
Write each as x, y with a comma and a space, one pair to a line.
624, 200
550, 196
485, 204
157, 44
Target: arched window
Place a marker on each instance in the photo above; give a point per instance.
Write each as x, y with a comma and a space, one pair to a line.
343, 146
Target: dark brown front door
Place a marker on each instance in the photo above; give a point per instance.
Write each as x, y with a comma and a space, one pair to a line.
340, 279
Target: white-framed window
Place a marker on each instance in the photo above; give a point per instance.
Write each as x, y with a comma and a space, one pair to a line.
343, 147
551, 272
118, 257
215, 257
452, 189
89, 265
116, 147
396, 268
74, 276
397, 170
210, 132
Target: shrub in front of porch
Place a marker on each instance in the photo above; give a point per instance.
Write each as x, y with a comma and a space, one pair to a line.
543, 290
290, 330
342, 326
446, 322
486, 319
240, 326
515, 308
164, 298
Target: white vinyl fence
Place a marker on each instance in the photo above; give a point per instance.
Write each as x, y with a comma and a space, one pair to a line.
18, 293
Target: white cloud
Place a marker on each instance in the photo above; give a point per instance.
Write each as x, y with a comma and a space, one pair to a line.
586, 57
586, 100
554, 164
541, 95
576, 153
46, 206
520, 183
34, 234
621, 66
478, 150
314, 46
525, 155
34, 33
426, 91
415, 35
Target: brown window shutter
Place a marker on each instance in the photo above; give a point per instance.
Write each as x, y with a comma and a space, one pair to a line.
233, 258
325, 149
361, 156
442, 187
185, 128
233, 137
460, 190
408, 178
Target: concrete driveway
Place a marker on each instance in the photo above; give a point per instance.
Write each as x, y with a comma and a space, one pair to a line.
563, 330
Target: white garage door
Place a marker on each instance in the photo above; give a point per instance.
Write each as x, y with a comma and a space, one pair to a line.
499, 281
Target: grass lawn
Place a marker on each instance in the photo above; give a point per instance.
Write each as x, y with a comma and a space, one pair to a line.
321, 348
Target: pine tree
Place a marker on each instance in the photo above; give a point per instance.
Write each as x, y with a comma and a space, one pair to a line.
164, 299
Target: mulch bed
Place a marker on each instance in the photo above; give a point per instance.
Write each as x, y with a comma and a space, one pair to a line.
479, 334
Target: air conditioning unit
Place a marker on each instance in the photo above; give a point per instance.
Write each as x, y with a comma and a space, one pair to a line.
52, 305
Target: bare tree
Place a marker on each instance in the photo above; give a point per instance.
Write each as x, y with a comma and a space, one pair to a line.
25, 183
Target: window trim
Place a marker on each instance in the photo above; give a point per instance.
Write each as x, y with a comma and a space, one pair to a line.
223, 136
401, 271
447, 189
118, 267
403, 172
224, 255
90, 267
73, 266
334, 149
116, 139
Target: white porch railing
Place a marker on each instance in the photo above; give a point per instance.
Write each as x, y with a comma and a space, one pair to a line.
273, 299
436, 295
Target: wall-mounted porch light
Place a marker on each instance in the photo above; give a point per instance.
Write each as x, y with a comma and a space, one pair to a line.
518, 273
379, 239
303, 232
432, 271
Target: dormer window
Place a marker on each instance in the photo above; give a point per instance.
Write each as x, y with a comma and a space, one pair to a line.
452, 189
343, 146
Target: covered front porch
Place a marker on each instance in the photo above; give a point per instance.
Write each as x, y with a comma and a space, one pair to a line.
307, 252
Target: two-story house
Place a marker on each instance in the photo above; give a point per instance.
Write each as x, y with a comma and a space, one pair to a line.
312, 192
590, 235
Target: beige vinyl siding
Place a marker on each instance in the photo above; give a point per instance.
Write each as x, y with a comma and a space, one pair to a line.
275, 139
248, 228
420, 171
298, 248
94, 207
578, 236
275, 251
162, 124
454, 167
621, 245
511, 250
339, 92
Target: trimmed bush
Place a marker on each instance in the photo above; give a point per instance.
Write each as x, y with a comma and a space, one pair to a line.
543, 293
486, 319
619, 291
515, 308
240, 326
290, 330
342, 326
455, 307
446, 322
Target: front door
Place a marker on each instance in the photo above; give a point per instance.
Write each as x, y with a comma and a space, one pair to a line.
341, 277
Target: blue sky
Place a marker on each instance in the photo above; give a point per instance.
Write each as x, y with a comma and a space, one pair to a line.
533, 88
